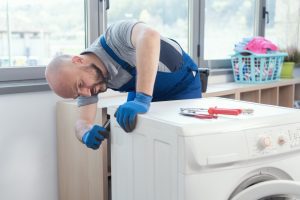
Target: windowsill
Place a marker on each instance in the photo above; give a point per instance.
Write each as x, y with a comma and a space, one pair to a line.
223, 75
12, 87
25, 86
222, 71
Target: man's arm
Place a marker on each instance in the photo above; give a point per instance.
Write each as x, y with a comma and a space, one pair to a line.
88, 133
86, 119
147, 43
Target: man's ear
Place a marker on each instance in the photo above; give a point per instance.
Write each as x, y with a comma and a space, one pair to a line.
77, 60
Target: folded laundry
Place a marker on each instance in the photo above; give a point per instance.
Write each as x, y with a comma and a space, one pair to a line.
260, 45
241, 45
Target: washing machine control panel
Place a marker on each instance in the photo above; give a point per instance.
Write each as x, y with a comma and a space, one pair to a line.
272, 140
294, 137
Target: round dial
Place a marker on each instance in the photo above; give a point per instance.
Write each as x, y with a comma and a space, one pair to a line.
264, 142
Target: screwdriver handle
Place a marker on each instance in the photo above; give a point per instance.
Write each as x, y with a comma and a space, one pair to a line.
224, 111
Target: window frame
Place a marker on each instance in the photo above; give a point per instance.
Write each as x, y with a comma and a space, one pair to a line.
92, 14
196, 19
21, 74
95, 22
198, 40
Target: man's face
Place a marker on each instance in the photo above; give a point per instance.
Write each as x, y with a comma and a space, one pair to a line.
90, 81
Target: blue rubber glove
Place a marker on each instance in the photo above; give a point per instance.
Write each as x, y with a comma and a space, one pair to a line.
131, 96
93, 137
126, 113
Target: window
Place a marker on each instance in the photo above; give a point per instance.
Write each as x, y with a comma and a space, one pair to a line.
226, 23
169, 17
34, 31
284, 21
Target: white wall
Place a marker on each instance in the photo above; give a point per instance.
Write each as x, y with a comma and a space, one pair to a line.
28, 161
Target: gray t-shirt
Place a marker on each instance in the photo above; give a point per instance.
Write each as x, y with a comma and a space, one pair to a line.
118, 38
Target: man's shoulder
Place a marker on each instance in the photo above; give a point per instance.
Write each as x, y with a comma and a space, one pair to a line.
123, 24
125, 21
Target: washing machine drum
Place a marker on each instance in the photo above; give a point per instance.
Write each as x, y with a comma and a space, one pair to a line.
267, 184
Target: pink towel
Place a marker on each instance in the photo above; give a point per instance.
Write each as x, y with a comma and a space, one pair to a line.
260, 45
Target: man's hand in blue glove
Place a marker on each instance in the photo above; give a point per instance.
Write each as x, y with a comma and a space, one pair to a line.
93, 137
126, 113
131, 96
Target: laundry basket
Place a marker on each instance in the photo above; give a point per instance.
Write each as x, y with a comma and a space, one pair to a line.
249, 67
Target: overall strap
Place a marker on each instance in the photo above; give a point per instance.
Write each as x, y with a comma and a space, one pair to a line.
114, 56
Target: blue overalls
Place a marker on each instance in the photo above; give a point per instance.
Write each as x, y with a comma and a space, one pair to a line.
181, 84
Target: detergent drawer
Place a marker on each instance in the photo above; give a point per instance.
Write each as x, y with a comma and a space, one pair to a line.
211, 150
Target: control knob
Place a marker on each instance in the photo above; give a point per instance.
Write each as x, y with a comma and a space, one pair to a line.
281, 140
264, 142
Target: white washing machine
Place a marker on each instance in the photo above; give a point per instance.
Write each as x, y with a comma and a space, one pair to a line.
173, 157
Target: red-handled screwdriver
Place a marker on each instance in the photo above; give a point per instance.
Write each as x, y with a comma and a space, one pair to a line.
224, 111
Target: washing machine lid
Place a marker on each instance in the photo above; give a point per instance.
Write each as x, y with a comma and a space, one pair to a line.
168, 113
269, 189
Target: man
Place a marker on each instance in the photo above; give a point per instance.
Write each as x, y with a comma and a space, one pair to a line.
130, 57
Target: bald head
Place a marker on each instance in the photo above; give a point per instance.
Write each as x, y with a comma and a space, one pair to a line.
58, 74
73, 76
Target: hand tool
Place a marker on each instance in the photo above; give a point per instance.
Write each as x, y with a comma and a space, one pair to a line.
216, 110
107, 127
200, 116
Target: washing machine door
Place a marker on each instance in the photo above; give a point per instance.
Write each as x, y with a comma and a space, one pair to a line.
275, 189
